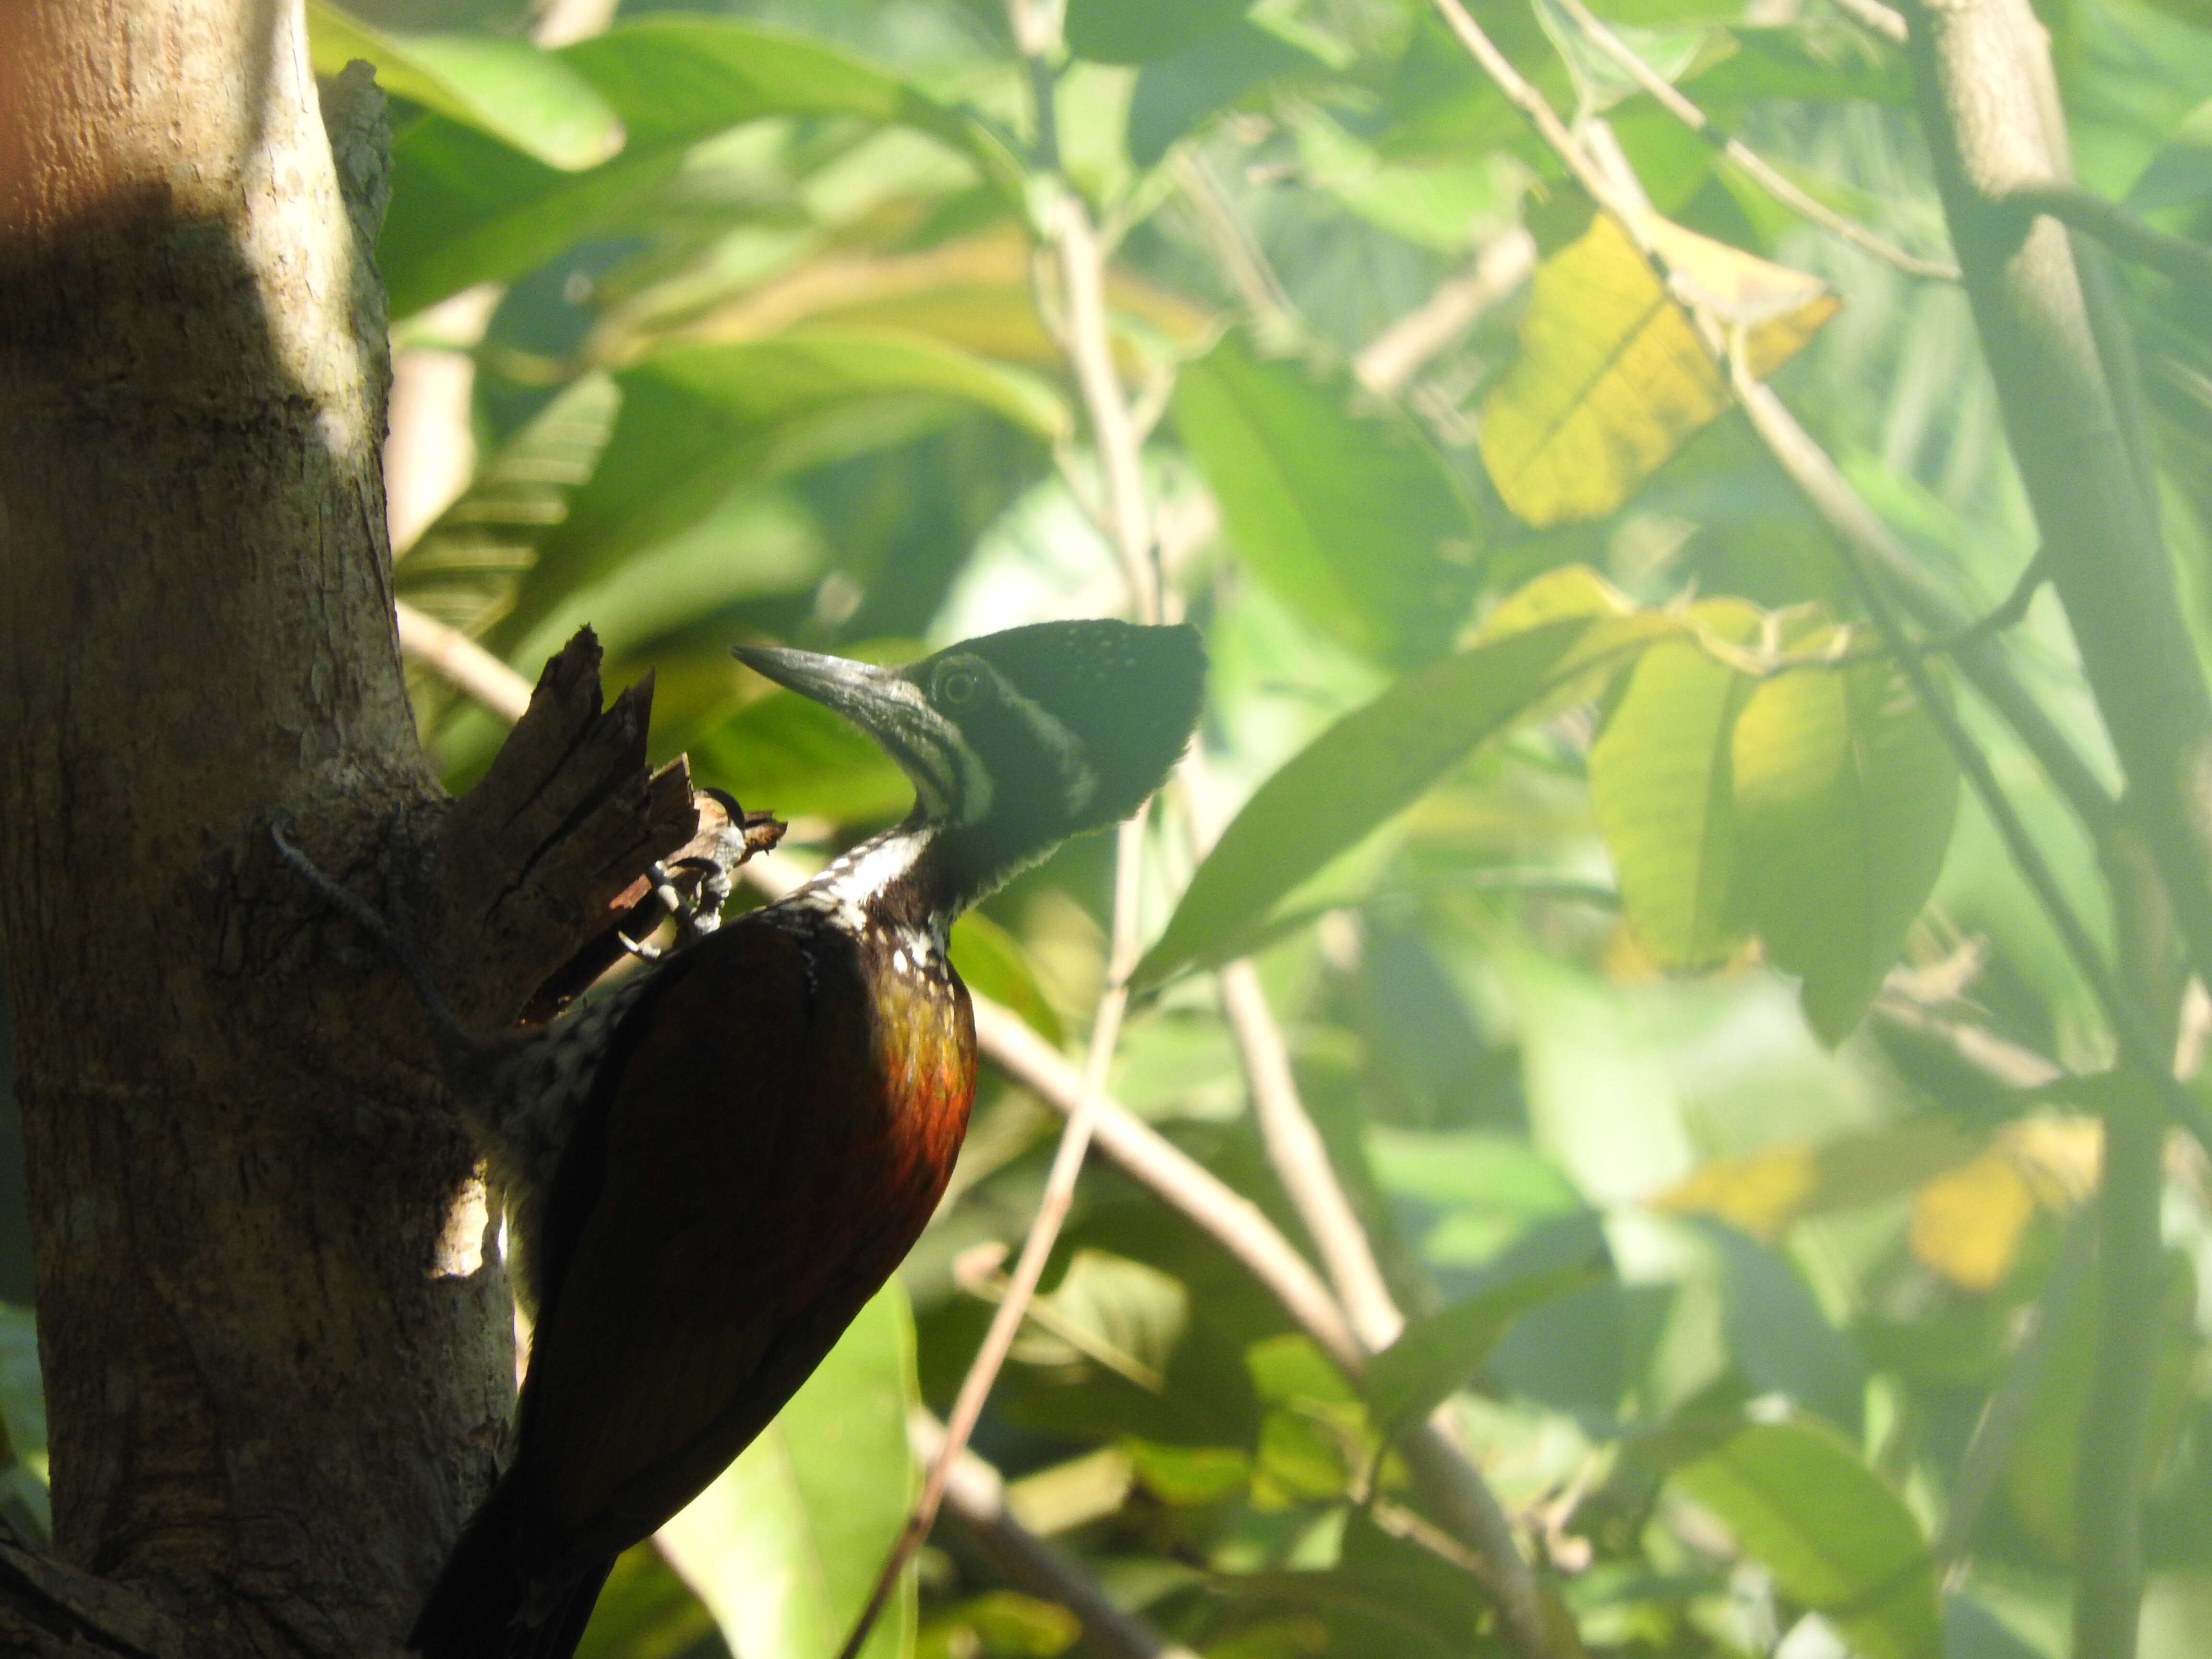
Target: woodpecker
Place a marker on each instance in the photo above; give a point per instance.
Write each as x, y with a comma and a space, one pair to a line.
710, 1170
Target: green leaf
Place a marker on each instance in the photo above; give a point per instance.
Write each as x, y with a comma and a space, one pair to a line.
23, 1496
1372, 764
1351, 521
1836, 1537
1844, 798
645, 1612
785, 1545
468, 208
523, 96
466, 567
794, 752
998, 1625
993, 964
1433, 1358
1143, 31
701, 422
1661, 782
1188, 1474
1174, 94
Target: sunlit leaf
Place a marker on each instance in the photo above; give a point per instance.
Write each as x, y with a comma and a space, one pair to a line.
1662, 786
1612, 378
646, 1612
1371, 765
1844, 796
1188, 1474
1765, 1192
1836, 1537
1351, 521
973, 293
509, 88
998, 1625
464, 569
784, 1545
468, 208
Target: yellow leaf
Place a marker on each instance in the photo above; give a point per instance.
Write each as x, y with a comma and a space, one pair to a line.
1779, 309
1765, 1192
974, 293
1613, 378
1967, 1225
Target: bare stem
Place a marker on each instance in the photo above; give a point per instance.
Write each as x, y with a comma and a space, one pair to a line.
1760, 171
462, 663
2186, 262
975, 1496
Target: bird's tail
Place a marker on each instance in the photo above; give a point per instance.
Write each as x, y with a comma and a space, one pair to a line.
484, 1608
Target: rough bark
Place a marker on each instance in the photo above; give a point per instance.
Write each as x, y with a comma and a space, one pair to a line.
276, 1353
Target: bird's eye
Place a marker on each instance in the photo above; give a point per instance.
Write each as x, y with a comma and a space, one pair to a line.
957, 686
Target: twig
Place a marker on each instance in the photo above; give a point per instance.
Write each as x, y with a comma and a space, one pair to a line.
1671, 99
1178, 1180
1393, 357
2005, 1064
1245, 265
1825, 489
1873, 16
464, 663
1301, 1160
2186, 262
975, 1496
2149, 1060
1088, 342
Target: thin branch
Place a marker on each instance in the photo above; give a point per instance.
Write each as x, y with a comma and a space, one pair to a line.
1087, 340
2150, 1061
1246, 268
462, 663
1175, 1178
1447, 1477
976, 1497
2186, 262
1816, 477
1873, 16
1301, 1160
1760, 171
1393, 357
2005, 1064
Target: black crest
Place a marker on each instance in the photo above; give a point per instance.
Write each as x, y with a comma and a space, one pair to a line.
1129, 696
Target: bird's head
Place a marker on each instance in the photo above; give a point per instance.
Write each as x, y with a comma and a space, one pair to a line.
1016, 741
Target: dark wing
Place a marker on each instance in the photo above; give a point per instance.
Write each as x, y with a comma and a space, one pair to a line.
758, 1186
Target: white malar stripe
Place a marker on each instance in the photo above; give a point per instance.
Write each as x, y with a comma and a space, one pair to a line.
1078, 783
845, 888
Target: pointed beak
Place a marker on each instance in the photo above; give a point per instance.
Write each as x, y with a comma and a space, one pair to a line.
872, 698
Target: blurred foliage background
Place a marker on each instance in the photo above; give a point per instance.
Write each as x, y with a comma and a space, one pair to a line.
1715, 1099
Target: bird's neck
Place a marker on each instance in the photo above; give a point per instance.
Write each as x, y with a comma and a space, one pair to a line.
897, 883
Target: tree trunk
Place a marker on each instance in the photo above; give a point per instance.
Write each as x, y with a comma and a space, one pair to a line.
275, 1338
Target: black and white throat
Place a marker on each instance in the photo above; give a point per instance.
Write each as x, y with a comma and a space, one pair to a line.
890, 895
